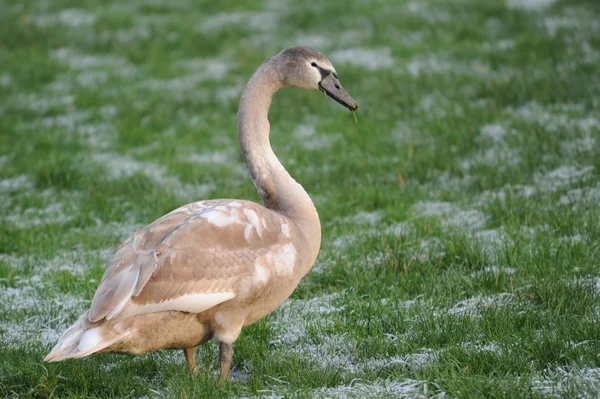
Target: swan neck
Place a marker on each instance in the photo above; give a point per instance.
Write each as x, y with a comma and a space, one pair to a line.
278, 190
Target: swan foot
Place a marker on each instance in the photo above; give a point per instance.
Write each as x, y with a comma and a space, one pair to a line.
190, 358
226, 355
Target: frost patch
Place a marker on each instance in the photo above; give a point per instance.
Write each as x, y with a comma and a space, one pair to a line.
313, 40
5, 80
31, 217
42, 104
428, 64
320, 142
28, 298
15, 184
580, 198
371, 218
52, 315
529, 5
382, 389
494, 132
71, 17
557, 118
563, 176
498, 158
303, 131
450, 214
209, 68
213, 157
293, 323
491, 242
510, 190
436, 105
472, 306
261, 21
372, 59
75, 262
228, 93
565, 382
78, 60
123, 166
495, 271
180, 86
580, 145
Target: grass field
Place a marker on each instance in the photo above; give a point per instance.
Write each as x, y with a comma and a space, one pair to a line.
461, 214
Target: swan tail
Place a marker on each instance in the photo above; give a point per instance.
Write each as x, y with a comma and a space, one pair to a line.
83, 339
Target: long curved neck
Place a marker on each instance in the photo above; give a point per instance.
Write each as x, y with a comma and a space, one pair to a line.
278, 190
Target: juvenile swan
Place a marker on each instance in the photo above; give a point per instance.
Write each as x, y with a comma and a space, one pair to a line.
211, 267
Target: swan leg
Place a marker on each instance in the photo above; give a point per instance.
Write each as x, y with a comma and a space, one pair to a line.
190, 358
226, 355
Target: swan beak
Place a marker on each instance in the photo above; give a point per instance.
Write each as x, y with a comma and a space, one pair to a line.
331, 86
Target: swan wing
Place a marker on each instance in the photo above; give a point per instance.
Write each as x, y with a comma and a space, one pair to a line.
189, 260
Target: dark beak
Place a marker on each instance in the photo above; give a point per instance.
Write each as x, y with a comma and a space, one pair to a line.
331, 86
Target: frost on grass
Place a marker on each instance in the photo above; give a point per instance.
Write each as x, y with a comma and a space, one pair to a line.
185, 86
41, 104
492, 242
427, 64
75, 124
123, 166
554, 119
77, 60
70, 17
39, 312
316, 41
581, 198
261, 21
54, 213
450, 215
408, 388
435, 64
370, 218
40, 319
213, 157
306, 133
5, 80
296, 321
18, 183
564, 382
495, 132
228, 94
372, 59
494, 271
293, 322
529, 5
472, 306
206, 68
303, 131
508, 191
498, 45
77, 262
436, 106
563, 176
580, 25
320, 142
499, 157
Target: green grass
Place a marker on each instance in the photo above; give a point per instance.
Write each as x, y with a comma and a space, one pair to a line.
461, 214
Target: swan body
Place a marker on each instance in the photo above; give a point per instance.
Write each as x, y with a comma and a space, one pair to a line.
209, 268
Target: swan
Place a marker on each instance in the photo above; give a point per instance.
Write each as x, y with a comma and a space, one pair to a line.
211, 267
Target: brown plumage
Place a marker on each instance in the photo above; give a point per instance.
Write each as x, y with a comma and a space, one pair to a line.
211, 267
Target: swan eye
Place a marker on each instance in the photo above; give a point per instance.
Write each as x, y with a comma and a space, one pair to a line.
313, 64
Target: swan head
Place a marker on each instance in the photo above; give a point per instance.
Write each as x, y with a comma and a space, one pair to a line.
303, 67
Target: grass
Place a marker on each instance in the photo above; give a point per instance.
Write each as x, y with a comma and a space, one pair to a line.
461, 214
